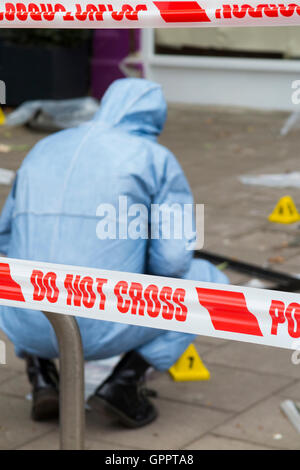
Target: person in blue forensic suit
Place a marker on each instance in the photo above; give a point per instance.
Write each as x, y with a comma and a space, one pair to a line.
54, 214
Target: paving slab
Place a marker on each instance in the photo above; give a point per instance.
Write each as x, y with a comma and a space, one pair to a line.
16, 427
234, 140
292, 392
233, 250
16, 386
240, 200
5, 373
228, 389
263, 424
208, 342
253, 201
177, 425
293, 263
202, 346
267, 240
264, 248
231, 226
211, 442
257, 358
51, 442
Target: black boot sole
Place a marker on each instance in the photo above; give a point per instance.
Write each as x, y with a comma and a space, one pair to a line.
98, 404
45, 405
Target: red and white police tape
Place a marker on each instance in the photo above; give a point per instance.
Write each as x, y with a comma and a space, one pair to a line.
146, 14
231, 312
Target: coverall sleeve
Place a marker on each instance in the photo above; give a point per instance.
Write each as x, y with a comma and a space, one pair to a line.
171, 255
6, 219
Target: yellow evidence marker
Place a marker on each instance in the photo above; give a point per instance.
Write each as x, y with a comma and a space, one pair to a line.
285, 211
189, 367
2, 117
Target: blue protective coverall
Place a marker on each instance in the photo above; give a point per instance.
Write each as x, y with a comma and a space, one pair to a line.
51, 215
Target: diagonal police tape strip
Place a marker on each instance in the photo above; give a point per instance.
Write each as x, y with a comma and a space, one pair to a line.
238, 313
146, 14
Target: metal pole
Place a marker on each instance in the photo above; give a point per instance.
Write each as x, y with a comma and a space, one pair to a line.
72, 415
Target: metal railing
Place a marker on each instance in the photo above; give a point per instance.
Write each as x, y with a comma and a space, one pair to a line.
71, 395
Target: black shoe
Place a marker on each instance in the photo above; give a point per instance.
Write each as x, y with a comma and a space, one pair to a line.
122, 395
44, 379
